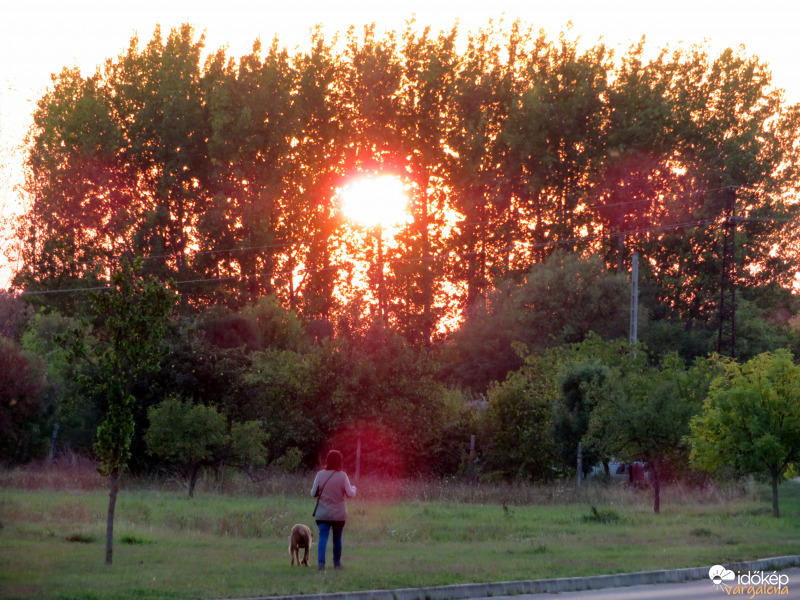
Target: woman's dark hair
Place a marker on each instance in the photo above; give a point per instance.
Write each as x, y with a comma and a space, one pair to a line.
334, 462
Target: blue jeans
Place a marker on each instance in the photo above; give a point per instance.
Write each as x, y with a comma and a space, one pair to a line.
324, 530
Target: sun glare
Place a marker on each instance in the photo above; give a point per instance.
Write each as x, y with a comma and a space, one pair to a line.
375, 200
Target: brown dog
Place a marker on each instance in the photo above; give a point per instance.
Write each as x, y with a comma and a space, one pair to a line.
301, 538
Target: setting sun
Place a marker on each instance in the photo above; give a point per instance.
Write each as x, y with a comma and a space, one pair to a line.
375, 200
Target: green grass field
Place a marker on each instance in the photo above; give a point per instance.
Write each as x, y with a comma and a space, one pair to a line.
231, 540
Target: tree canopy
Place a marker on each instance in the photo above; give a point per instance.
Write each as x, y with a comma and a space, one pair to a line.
751, 419
194, 436
223, 173
644, 412
500, 307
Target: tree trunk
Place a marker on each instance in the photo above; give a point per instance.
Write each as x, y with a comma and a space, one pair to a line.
193, 481
112, 504
426, 265
775, 511
656, 491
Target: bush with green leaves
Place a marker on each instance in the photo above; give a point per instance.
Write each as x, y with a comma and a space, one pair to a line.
193, 436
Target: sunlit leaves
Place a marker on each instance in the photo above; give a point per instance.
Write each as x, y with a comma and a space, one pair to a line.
751, 418
225, 173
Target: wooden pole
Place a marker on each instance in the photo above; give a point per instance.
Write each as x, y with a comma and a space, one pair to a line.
471, 469
53, 443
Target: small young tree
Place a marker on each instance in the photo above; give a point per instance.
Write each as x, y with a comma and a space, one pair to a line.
194, 436
751, 419
132, 316
644, 415
189, 435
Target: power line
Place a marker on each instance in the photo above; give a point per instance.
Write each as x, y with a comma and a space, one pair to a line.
552, 243
461, 224
594, 207
176, 255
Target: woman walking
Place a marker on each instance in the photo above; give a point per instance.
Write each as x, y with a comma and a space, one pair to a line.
331, 487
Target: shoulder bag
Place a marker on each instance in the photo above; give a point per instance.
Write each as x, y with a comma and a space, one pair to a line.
319, 493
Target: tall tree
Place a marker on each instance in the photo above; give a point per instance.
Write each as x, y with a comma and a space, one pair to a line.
115, 164
560, 301
247, 227
426, 117
322, 138
556, 138
482, 96
633, 172
224, 175
727, 169
81, 199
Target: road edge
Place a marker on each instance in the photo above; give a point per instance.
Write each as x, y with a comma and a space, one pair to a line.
546, 586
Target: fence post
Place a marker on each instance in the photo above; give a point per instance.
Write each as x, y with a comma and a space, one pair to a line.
53, 443
471, 468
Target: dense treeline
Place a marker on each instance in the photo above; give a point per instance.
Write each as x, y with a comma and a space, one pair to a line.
304, 392
223, 174
535, 170
299, 387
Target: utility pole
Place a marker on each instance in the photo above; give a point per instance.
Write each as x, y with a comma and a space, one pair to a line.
726, 336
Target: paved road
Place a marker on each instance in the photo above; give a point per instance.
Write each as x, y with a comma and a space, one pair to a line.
690, 590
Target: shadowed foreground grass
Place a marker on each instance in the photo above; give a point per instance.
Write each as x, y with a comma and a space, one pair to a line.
225, 546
